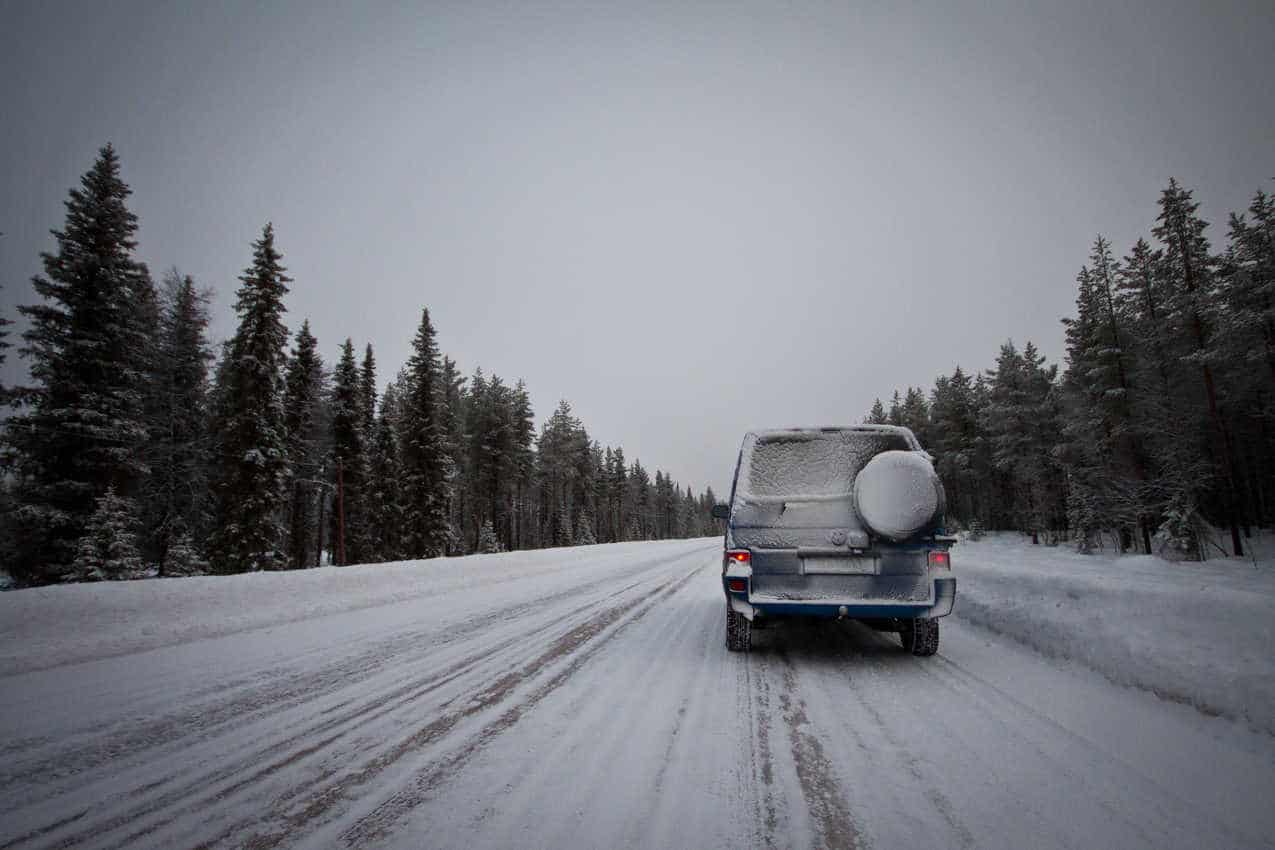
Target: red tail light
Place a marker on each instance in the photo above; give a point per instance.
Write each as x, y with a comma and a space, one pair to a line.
738, 585
941, 559
739, 556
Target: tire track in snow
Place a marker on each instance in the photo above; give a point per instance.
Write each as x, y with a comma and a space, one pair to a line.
185, 797
824, 797
759, 706
579, 646
260, 702
933, 794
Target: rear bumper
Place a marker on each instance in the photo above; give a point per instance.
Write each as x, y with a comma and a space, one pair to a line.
937, 601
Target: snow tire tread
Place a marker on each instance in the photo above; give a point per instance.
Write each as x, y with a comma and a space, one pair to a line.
739, 631
920, 637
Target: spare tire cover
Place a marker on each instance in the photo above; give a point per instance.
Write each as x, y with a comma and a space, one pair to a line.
897, 494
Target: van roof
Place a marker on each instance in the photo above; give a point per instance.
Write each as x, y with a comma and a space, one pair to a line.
763, 435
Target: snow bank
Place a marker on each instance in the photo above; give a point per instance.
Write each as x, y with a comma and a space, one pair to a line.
64, 624
1195, 633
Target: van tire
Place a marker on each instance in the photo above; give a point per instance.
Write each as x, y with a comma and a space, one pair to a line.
739, 631
920, 637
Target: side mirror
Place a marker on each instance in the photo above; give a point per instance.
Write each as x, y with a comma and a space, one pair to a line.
721, 511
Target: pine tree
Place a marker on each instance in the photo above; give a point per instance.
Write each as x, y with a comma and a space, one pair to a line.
1189, 266
454, 401
1250, 293
584, 535
1021, 420
176, 493
895, 414
522, 463
303, 390
1246, 343
877, 415
915, 414
182, 558
488, 542
426, 466
252, 491
367, 391
108, 548
384, 498
955, 443
620, 495
349, 521
89, 344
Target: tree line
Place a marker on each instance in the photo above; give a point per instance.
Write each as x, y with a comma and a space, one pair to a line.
1162, 423
136, 449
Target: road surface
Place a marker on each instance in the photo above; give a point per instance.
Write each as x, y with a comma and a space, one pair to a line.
593, 704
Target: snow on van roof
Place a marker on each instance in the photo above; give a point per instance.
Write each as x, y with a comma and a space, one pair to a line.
768, 434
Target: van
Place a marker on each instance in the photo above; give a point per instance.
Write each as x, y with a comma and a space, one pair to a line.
843, 523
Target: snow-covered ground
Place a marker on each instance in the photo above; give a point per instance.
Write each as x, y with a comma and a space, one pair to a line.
1201, 633
584, 698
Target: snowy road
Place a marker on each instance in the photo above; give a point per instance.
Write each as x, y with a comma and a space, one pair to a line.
585, 698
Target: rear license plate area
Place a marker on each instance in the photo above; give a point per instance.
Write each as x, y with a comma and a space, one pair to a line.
839, 566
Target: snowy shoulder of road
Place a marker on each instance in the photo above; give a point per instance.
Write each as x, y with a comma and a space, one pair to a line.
51, 626
1197, 633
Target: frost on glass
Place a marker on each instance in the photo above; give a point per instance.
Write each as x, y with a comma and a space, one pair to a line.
805, 465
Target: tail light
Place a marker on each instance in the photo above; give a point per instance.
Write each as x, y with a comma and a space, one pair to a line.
738, 585
940, 559
739, 556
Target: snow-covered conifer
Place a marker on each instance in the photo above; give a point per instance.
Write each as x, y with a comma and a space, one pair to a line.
303, 389
426, 466
176, 494
251, 491
90, 348
488, 542
584, 535
349, 452
182, 557
107, 550
384, 497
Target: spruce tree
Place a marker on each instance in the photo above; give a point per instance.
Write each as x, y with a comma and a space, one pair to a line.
954, 442
253, 488
303, 388
367, 392
426, 466
488, 542
522, 461
349, 519
895, 414
384, 497
90, 348
584, 535
1189, 266
620, 495
176, 495
182, 558
1250, 293
877, 415
453, 411
107, 550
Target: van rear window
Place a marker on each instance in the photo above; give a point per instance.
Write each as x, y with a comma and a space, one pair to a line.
811, 464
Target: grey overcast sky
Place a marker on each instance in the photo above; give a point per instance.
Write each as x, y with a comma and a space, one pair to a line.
687, 219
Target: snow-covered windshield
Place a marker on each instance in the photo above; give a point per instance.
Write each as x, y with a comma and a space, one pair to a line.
810, 464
